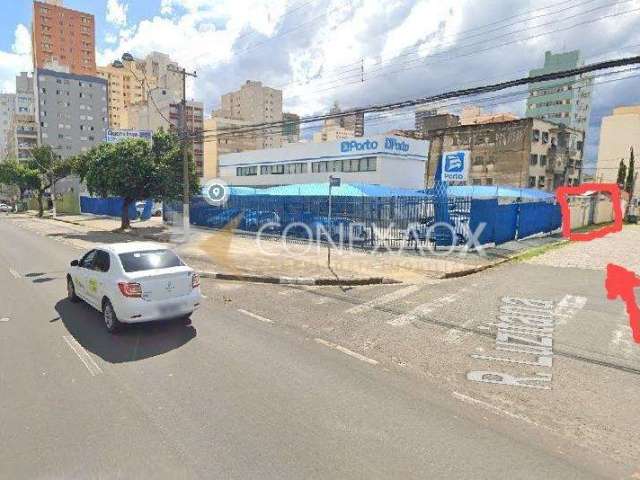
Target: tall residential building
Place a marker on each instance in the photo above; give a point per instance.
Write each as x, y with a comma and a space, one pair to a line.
71, 110
63, 37
7, 108
566, 101
291, 128
23, 132
619, 133
528, 153
163, 111
255, 104
338, 128
132, 83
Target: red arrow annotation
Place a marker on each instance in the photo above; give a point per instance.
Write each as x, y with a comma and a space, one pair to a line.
620, 282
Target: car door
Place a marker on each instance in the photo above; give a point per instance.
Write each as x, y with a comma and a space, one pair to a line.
96, 277
80, 275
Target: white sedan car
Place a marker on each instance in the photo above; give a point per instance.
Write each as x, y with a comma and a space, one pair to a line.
134, 282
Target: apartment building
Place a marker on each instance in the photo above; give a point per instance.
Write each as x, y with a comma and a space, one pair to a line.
163, 111
528, 152
220, 140
256, 104
341, 127
71, 110
619, 133
22, 135
7, 108
63, 37
132, 82
565, 101
473, 114
291, 128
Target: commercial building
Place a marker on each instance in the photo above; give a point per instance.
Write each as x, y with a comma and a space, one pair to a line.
71, 111
385, 160
619, 133
565, 101
340, 128
472, 115
255, 103
163, 111
63, 37
7, 108
132, 82
430, 120
22, 135
528, 153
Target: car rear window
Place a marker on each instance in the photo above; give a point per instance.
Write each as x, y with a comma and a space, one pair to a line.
149, 260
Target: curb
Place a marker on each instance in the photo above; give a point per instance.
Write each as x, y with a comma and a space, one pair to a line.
471, 271
297, 280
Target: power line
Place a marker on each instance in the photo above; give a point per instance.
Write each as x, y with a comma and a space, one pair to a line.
452, 94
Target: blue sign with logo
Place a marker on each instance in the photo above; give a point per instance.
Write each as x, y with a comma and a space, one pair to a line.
355, 146
455, 166
114, 135
390, 143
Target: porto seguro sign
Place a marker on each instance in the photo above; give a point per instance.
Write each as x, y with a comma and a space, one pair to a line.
455, 166
390, 143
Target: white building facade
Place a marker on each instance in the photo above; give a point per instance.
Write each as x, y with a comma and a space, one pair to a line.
384, 160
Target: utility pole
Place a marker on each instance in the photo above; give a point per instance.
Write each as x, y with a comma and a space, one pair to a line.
185, 151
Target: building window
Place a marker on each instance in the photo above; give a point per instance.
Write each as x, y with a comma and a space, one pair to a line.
246, 171
478, 160
488, 181
541, 182
533, 159
476, 181
543, 160
545, 137
536, 135
532, 182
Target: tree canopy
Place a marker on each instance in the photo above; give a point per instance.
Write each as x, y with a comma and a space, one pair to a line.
135, 170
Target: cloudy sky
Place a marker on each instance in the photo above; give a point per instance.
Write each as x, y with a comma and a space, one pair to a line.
356, 52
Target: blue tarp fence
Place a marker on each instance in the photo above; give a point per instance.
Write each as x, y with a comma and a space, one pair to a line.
112, 207
377, 216
507, 222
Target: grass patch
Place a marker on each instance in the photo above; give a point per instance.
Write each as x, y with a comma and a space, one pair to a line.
536, 251
590, 228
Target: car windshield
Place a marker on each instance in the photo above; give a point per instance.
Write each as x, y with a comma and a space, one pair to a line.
149, 260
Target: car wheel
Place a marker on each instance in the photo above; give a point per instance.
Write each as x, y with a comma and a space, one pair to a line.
186, 320
110, 319
71, 291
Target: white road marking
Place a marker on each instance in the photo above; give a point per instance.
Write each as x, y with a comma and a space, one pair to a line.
384, 299
83, 355
255, 315
621, 340
14, 273
568, 307
5, 319
475, 401
423, 310
346, 351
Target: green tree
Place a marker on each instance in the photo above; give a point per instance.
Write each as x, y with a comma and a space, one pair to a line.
622, 174
50, 168
134, 170
19, 175
628, 186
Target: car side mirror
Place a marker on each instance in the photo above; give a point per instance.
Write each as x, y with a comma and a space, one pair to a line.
75, 263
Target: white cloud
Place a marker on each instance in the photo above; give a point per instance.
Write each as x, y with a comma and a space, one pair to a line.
117, 12
17, 60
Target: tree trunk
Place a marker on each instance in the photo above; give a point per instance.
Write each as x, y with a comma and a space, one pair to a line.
126, 222
40, 203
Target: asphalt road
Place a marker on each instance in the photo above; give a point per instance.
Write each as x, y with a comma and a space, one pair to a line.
233, 396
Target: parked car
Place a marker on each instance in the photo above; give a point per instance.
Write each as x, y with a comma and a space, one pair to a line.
134, 282
5, 208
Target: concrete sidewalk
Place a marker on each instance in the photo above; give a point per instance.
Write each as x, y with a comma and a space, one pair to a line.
225, 251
